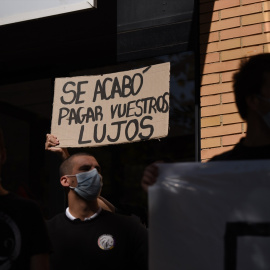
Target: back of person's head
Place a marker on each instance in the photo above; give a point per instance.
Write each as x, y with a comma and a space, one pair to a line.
67, 165
248, 81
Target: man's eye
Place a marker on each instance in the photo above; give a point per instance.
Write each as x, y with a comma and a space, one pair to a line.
85, 168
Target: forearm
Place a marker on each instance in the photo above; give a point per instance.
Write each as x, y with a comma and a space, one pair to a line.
65, 154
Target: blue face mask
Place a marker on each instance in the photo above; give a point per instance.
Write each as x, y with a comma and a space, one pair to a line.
89, 184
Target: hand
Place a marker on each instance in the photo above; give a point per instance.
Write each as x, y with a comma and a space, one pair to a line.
150, 175
52, 142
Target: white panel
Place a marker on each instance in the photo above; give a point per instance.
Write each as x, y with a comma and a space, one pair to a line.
207, 215
12, 11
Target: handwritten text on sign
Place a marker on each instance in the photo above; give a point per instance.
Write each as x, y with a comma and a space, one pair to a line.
112, 108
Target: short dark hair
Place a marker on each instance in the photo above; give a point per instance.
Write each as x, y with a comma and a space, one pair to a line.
67, 164
249, 79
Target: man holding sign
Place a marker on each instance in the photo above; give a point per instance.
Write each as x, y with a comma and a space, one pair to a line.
94, 111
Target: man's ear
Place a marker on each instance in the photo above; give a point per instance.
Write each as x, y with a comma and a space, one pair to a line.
64, 181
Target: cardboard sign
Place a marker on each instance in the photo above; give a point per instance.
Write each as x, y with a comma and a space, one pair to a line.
112, 108
213, 215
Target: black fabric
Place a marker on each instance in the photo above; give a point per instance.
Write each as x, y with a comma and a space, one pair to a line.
242, 152
75, 243
23, 232
136, 212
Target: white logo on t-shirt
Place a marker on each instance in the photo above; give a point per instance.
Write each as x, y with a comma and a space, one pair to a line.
106, 242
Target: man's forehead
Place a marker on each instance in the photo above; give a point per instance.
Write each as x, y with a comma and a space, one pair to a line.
84, 159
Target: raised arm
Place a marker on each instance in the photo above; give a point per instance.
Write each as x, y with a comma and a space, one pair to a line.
51, 143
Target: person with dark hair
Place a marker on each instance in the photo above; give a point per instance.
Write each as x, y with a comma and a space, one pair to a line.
87, 236
24, 240
252, 95
136, 212
51, 145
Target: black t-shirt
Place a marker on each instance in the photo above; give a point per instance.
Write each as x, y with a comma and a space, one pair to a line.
242, 152
23, 232
109, 241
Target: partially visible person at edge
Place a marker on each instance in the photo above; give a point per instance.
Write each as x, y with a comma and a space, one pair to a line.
24, 241
252, 95
136, 212
251, 85
86, 236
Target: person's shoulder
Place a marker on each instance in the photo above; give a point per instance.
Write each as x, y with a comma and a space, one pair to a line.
57, 225
237, 153
12, 197
15, 201
244, 152
137, 212
123, 221
114, 216
58, 218
228, 155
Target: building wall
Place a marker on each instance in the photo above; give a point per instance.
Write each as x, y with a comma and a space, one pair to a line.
229, 30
